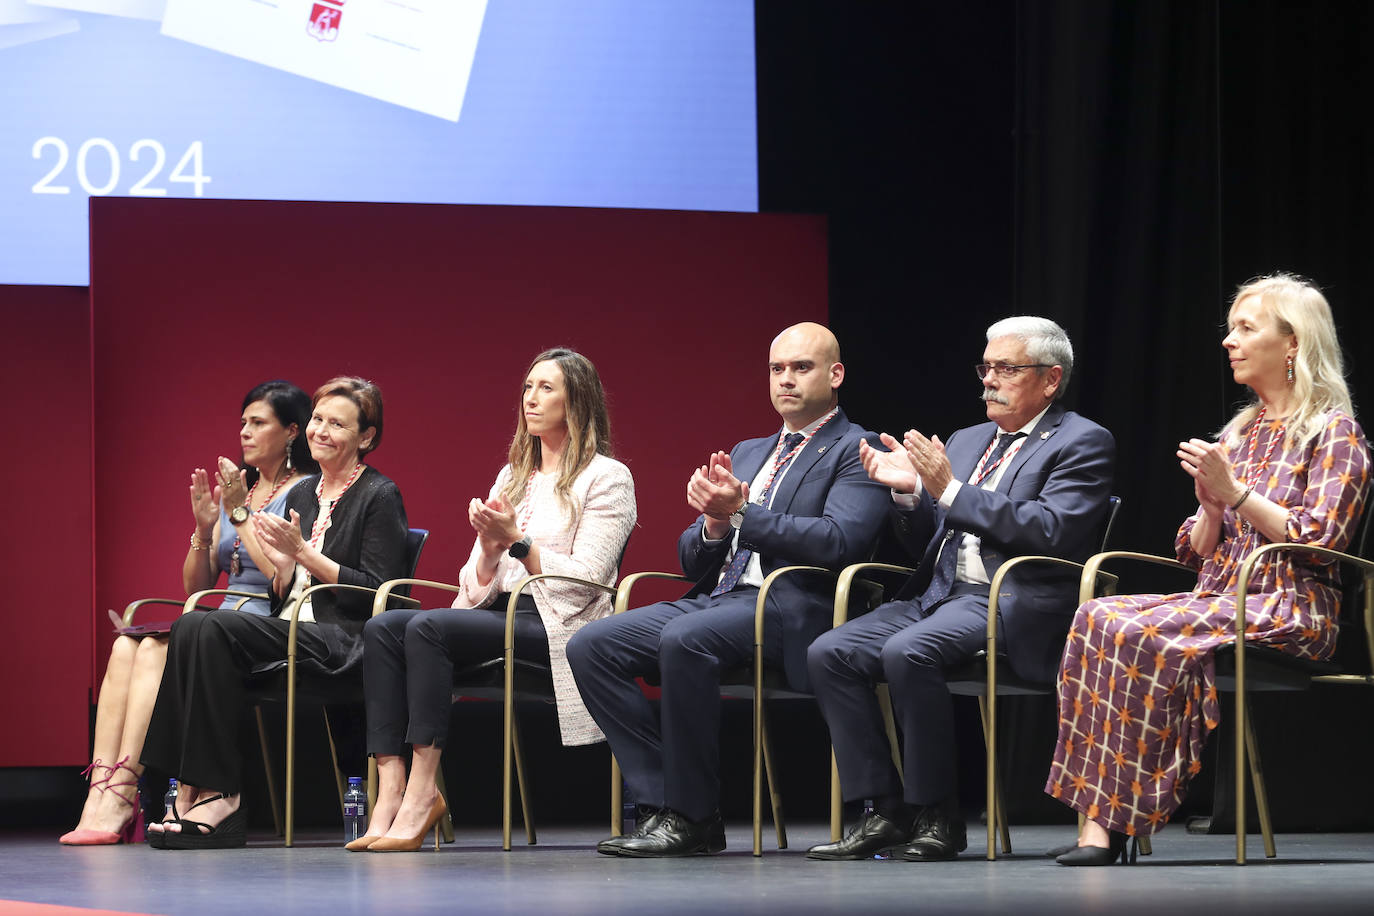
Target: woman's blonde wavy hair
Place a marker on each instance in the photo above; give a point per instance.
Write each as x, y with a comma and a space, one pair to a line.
1318, 371
589, 429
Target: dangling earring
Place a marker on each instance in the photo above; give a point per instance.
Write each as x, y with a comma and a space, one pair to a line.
1289, 364
292, 441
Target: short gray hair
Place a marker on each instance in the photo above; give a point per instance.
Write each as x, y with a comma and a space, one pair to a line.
1045, 343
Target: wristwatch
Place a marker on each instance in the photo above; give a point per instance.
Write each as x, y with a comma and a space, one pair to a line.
239, 515
737, 517
521, 548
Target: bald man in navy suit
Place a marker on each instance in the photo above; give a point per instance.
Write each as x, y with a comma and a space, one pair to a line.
1035, 479
799, 495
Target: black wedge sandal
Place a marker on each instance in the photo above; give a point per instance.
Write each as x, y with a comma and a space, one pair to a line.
230, 833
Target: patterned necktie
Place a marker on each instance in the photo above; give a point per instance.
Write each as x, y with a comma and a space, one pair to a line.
942, 579
740, 561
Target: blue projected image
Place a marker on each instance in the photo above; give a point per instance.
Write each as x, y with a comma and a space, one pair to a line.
604, 103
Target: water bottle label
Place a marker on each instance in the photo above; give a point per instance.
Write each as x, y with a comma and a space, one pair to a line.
353, 809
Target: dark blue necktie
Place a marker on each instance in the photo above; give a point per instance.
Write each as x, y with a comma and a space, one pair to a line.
740, 561
942, 579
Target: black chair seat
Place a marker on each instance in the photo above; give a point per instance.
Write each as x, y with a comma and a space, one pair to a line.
970, 679
738, 683
1270, 670
487, 680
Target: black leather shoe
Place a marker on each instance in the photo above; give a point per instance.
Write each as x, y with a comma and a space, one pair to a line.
870, 835
646, 819
1057, 851
938, 837
674, 835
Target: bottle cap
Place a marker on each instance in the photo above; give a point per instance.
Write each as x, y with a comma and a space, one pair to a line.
355, 780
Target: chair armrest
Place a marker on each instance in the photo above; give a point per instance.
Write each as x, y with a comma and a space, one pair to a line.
844, 585
525, 583
762, 602
1246, 570
995, 589
193, 602
295, 614
1092, 569
622, 592
384, 591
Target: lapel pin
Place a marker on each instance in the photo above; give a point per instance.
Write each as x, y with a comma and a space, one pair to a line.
1045, 434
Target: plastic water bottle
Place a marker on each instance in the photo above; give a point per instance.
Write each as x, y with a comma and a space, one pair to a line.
170, 799
355, 809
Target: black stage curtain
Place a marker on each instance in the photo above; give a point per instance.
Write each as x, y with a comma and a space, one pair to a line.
1118, 166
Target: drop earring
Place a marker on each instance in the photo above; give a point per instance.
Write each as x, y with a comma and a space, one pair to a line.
292, 441
1289, 367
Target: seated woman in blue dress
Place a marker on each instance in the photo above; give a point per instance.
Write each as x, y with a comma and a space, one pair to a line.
274, 459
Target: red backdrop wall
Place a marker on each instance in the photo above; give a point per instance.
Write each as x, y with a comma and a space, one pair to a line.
192, 302
45, 682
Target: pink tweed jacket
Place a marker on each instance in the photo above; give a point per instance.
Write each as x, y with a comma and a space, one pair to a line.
586, 544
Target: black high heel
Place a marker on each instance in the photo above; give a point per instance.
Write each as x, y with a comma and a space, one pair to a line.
1097, 855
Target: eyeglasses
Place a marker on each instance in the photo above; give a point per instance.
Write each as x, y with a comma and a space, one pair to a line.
1005, 371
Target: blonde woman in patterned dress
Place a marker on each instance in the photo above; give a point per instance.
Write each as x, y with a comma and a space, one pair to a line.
561, 505
1137, 690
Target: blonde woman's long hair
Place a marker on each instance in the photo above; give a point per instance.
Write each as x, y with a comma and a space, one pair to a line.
1318, 370
589, 429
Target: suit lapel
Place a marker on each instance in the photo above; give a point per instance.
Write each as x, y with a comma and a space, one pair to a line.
965, 460
1043, 431
815, 450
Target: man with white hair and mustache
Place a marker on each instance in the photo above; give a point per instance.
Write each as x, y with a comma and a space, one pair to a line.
1034, 480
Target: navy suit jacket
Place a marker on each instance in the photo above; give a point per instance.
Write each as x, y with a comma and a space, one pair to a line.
825, 512
1052, 500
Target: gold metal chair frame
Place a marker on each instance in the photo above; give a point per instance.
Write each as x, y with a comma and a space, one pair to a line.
758, 689
511, 752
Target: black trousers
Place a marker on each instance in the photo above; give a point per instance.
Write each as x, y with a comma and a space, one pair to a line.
409, 657
894, 643
671, 759
195, 726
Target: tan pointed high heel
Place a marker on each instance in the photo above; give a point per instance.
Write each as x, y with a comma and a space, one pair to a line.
411, 844
361, 843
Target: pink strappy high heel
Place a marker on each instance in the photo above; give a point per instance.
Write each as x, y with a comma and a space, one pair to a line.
132, 832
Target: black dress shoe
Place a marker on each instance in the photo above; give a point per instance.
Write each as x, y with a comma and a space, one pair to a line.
1097, 855
646, 819
674, 835
1057, 851
938, 837
870, 835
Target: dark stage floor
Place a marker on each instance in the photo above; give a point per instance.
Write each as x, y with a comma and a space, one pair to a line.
1326, 873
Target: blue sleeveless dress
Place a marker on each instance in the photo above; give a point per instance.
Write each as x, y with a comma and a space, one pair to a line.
250, 578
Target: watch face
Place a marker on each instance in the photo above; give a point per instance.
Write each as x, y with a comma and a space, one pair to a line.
520, 549
239, 515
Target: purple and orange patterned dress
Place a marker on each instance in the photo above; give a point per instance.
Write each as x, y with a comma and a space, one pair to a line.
1137, 686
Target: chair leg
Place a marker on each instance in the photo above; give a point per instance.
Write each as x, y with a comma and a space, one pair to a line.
525, 809
446, 822
267, 771
996, 808
836, 800
885, 702
774, 796
617, 798
339, 782
290, 760
1261, 796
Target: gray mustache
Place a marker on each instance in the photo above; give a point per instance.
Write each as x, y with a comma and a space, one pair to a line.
990, 395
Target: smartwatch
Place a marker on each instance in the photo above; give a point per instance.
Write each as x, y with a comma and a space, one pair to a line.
521, 548
239, 515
